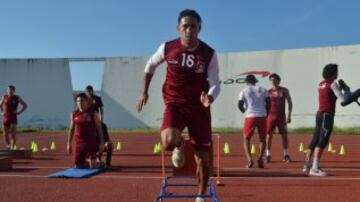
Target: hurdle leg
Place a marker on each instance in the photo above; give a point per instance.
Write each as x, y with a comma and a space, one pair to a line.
218, 183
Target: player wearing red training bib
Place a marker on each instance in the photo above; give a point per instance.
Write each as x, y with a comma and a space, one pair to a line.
9, 107
277, 118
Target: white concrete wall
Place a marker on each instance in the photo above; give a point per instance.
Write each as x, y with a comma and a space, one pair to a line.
122, 81
300, 70
45, 85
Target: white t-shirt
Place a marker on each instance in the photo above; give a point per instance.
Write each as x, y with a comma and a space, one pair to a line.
254, 98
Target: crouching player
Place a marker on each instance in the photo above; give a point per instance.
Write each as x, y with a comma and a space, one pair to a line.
85, 124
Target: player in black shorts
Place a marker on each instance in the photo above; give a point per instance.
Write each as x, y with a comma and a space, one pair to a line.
109, 146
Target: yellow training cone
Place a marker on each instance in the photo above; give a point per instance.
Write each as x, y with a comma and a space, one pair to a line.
330, 147
32, 145
156, 148
226, 148
301, 147
53, 146
253, 149
159, 147
118, 146
342, 150
35, 148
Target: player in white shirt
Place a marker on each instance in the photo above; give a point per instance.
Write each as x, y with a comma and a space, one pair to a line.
254, 101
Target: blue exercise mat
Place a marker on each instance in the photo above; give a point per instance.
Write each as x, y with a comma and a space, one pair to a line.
76, 173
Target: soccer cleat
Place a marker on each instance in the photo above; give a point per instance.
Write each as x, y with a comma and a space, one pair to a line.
199, 199
260, 163
177, 158
317, 172
287, 159
249, 164
268, 159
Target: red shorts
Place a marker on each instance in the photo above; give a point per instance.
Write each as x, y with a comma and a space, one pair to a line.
273, 122
197, 119
9, 120
251, 123
85, 151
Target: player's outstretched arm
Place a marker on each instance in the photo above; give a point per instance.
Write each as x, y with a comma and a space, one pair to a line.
144, 96
100, 131
241, 106
267, 105
290, 106
70, 135
23, 104
1, 103
154, 61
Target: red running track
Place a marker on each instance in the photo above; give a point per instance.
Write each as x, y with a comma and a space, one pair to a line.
136, 173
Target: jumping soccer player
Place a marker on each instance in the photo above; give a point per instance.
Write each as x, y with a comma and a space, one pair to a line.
9, 107
255, 101
191, 86
329, 91
277, 117
86, 125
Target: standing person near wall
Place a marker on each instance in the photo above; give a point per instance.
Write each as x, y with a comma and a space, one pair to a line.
255, 101
9, 107
329, 91
277, 117
191, 86
95, 102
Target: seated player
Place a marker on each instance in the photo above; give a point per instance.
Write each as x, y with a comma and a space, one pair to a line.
86, 125
108, 146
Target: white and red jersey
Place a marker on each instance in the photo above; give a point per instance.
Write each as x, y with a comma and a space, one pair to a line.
255, 101
329, 91
277, 101
189, 72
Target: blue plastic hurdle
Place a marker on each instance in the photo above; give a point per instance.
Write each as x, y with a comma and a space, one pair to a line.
164, 193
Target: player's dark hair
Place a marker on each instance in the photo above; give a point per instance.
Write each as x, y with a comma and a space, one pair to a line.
189, 13
330, 70
275, 76
81, 95
89, 87
12, 87
251, 79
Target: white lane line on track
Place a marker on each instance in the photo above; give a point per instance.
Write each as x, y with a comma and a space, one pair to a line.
288, 169
329, 178
221, 169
